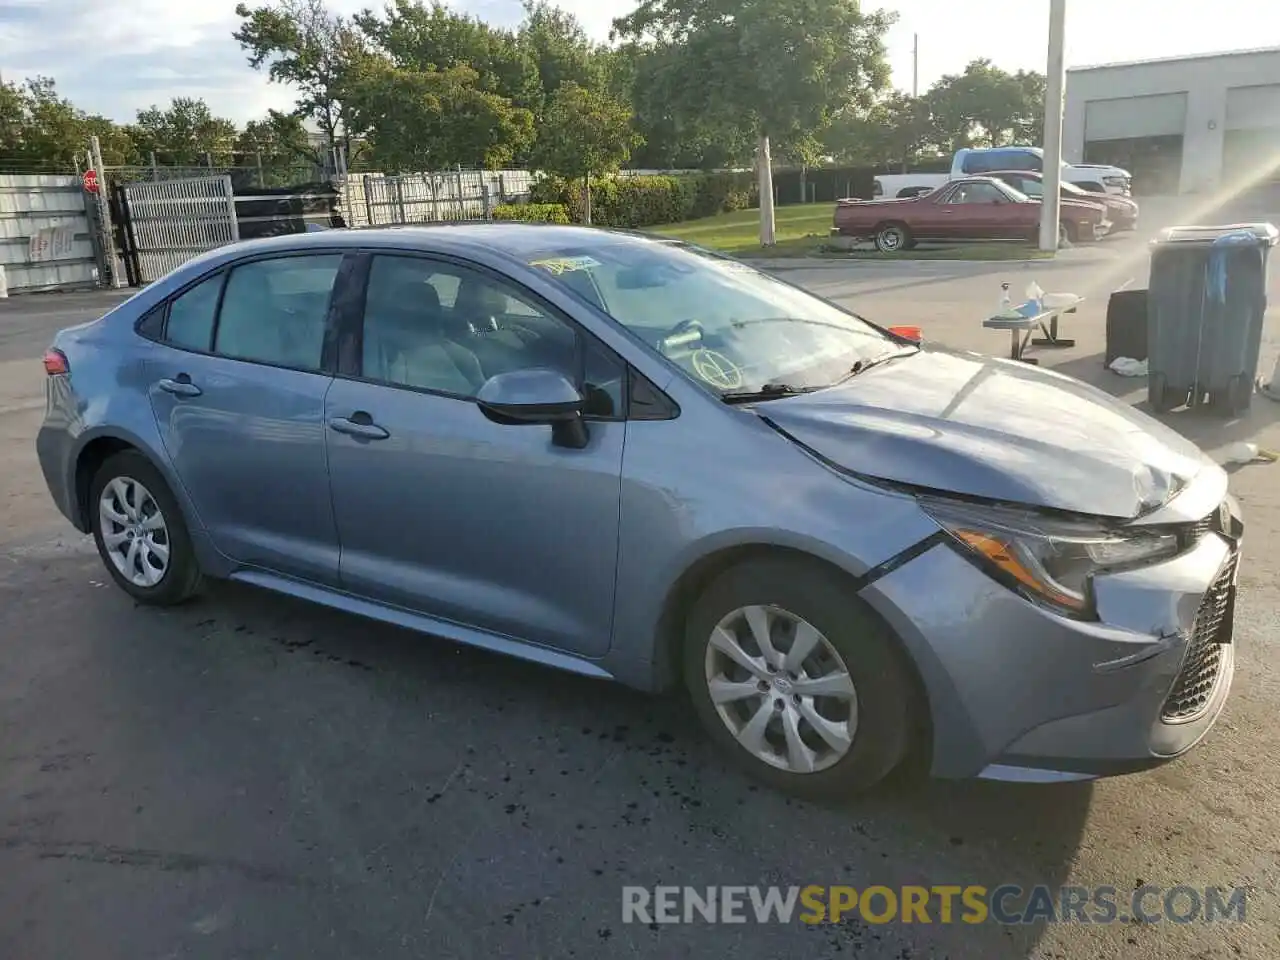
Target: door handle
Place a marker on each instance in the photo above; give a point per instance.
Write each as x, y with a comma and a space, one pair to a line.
358, 425
180, 386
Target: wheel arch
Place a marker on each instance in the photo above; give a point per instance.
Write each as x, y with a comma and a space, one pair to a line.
94, 452
698, 575
884, 224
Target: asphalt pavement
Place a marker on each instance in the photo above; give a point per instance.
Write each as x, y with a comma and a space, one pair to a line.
251, 777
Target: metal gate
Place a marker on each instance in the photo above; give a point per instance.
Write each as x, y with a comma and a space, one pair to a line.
167, 222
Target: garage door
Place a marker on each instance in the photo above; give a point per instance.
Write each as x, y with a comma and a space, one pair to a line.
1251, 138
1141, 134
1132, 118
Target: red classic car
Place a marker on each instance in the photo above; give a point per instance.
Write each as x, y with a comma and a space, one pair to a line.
1121, 211
970, 208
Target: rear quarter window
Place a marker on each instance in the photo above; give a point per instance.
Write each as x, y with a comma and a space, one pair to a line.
191, 313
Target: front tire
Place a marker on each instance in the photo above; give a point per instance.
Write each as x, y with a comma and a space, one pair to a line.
140, 532
796, 680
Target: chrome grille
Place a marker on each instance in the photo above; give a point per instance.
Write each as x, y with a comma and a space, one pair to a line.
1202, 528
1195, 682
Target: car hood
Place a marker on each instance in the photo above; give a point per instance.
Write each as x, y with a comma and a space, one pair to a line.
1079, 203
994, 429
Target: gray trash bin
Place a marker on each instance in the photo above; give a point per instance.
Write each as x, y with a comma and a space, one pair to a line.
1206, 301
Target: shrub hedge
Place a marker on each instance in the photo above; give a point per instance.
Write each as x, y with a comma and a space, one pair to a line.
646, 201
532, 212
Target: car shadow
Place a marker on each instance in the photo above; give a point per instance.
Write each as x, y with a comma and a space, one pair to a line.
616, 781
1203, 427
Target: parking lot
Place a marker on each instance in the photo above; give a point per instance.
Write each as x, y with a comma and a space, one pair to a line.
251, 777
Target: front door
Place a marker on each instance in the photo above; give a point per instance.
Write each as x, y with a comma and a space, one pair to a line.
238, 394
443, 511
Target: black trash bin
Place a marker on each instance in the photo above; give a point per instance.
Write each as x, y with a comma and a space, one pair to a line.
1205, 306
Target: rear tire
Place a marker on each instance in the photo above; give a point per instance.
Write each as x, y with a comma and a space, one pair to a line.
764, 709
893, 238
140, 532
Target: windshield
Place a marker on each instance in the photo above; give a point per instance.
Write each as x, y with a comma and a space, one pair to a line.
1015, 193
730, 327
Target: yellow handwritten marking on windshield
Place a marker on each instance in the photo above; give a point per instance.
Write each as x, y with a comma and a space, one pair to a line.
716, 369
559, 265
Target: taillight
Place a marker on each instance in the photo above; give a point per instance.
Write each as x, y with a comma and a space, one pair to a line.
55, 363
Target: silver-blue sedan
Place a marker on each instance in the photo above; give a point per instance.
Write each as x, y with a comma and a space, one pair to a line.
636, 460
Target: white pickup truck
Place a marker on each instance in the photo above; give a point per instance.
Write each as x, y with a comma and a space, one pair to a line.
1093, 177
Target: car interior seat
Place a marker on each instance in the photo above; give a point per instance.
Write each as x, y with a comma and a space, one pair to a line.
405, 340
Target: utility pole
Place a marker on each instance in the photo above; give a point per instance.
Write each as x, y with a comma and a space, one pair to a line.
1055, 90
915, 67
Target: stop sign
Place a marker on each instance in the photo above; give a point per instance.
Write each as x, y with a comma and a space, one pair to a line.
90, 180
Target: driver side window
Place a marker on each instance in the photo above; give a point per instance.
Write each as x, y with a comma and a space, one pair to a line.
975, 193
439, 326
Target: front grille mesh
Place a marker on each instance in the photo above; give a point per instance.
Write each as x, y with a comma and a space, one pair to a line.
1195, 682
1202, 528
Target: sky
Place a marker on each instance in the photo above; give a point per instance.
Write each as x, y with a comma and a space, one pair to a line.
114, 57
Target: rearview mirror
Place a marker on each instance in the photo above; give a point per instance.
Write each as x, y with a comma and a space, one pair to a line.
538, 396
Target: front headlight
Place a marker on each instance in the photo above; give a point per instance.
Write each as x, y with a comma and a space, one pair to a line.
1047, 560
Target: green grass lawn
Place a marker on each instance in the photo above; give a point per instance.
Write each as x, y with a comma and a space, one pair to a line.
803, 230
798, 230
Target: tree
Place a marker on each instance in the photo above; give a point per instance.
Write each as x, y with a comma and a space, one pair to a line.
652, 79
186, 134
426, 37
41, 129
781, 67
560, 49
430, 119
894, 132
584, 132
279, 145
308, 47
986, 106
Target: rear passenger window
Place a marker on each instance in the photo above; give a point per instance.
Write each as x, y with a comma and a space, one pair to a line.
1026, 160
190, 323
274, 311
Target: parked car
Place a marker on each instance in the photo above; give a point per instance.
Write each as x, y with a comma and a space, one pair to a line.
1122, 212
973, 208
635, 460
980, 161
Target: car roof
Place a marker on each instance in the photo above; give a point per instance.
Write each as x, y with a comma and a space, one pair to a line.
513, 239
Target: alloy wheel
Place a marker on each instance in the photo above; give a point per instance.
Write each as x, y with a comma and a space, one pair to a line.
781, 688
890, 239
134, 532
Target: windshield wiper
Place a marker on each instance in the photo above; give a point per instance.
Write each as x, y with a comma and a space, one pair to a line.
862, 366
768, 391
739, 324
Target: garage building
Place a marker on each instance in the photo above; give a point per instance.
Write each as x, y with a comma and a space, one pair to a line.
1179, 125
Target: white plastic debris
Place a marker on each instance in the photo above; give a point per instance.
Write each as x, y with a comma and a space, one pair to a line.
1271, 389
1052, 300
1244, 452
1129, 367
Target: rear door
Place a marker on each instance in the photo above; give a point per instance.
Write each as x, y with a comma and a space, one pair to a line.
237, 386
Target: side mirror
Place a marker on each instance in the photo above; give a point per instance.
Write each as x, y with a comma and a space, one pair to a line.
538, 396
